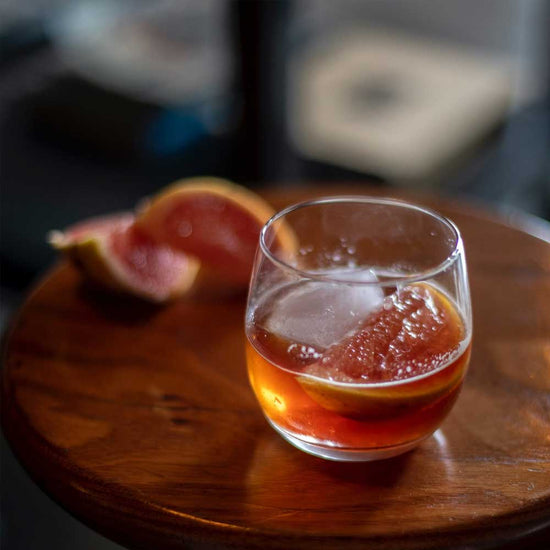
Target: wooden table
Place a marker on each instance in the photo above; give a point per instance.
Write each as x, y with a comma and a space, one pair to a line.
140, 420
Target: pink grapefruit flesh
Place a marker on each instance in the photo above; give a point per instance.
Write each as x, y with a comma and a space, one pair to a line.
114, 252
215, 220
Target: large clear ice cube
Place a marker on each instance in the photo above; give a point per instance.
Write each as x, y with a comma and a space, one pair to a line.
320, 313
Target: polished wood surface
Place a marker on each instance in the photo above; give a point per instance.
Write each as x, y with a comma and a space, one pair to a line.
140, 420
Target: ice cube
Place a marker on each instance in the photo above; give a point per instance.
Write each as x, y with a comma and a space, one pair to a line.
320, 313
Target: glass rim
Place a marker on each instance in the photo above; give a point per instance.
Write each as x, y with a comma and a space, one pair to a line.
390, 281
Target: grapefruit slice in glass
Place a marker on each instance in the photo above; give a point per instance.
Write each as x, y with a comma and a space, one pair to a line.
395, 360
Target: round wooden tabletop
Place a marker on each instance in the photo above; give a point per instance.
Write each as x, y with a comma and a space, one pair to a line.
140, 420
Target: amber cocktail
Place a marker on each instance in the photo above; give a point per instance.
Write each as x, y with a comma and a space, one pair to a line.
358, 335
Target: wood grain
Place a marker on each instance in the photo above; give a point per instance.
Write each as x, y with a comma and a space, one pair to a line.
141, 422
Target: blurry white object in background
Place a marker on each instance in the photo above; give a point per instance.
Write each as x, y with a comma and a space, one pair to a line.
390, 104
168, 52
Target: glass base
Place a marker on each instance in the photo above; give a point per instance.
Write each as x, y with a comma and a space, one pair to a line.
347, 455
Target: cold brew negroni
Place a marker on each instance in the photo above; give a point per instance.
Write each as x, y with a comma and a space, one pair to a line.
359, 328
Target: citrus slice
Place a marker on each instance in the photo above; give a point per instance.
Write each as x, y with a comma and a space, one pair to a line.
115, 253
370, 373
214, 220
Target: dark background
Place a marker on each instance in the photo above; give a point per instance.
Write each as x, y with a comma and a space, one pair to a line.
103, 103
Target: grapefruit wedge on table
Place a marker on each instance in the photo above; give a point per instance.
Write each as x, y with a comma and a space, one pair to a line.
197, 233
113, 252
214, 220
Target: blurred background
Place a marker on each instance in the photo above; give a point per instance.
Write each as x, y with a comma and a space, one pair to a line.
104, 102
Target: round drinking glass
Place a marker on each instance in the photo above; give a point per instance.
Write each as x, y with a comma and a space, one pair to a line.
358, 325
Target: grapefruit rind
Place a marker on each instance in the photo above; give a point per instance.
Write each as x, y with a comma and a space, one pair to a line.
377, 403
